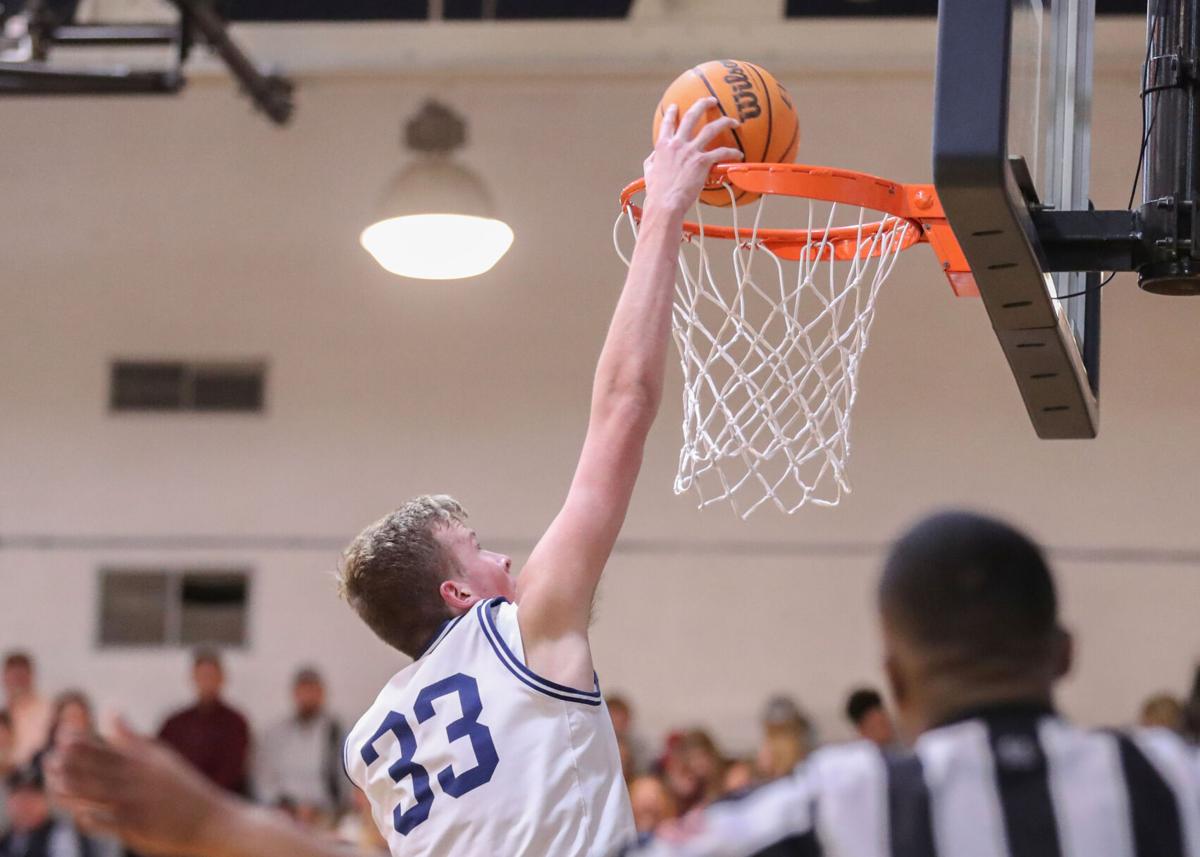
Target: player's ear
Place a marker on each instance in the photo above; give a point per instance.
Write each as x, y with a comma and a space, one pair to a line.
457, 595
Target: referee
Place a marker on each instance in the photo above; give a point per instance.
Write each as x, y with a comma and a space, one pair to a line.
973, 650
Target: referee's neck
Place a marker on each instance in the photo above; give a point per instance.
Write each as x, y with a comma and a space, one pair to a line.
954, 704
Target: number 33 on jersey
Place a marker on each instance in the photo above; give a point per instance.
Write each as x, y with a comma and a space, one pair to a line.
468, 733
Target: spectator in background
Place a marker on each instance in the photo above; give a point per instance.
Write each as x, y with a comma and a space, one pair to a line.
706, 763
33, 831
6, 767
787, 738
72, 718
29, 712
864, 709
634, 755
358, 829
298, 762
677, 775
652, 802
211, 735
6, 744
1191, 712
1163, 710
739, 776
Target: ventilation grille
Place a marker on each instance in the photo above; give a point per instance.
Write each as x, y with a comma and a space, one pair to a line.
175, 385
160, 607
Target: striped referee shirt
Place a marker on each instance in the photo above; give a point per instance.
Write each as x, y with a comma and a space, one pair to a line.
1012, 781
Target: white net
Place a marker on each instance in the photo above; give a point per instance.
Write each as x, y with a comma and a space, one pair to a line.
770, 340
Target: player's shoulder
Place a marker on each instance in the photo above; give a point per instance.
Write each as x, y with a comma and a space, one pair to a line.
499, 620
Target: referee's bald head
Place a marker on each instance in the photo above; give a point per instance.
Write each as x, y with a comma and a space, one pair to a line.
970, 592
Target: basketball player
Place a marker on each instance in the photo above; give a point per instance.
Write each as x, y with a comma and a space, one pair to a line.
973, 651
496, 740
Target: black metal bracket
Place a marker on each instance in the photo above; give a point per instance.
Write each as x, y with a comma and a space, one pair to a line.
271, 93
1090, 240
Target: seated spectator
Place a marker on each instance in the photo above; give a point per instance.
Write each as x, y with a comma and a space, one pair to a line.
358, 829
739, 776
621, 712
33, 831
787, 738
628, 766
1191, 711
29, 712
652, 802
211, 735
6, 744
677, 775
1162, 710
298, 761
706, 764
864, 709
6, 766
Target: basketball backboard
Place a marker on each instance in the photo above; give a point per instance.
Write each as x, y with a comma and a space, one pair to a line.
1012, 138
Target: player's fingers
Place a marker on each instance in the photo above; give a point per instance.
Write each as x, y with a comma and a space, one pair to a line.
724, 155
691, 119
97, 822
87, 771
715, 129
666, 128
123, 733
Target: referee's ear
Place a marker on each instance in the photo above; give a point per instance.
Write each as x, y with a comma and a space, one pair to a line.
896, 680
1064, 652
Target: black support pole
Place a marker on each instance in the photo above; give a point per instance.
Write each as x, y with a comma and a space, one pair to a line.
1171, 191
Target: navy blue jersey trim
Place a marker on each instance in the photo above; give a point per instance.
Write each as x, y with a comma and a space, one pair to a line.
562, 688
443, 631
522, 672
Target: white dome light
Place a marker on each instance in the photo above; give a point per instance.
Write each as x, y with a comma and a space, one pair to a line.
436, 220
437, 246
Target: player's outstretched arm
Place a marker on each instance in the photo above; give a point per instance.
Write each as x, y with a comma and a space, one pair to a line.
557, 585
144, 793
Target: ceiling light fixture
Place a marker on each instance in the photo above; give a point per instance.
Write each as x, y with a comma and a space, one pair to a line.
436, 220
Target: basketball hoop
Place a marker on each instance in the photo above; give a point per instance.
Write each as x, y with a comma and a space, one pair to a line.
771, 344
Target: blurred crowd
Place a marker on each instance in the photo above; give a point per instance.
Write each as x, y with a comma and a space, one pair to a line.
295, 765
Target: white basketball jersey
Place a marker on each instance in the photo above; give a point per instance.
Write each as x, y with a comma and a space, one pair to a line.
468, 752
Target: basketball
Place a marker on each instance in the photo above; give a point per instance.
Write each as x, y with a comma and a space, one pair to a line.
770, 129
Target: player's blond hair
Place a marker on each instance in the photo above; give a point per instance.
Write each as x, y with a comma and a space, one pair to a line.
391, 572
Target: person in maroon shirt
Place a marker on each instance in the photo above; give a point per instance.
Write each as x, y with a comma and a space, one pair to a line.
211, 735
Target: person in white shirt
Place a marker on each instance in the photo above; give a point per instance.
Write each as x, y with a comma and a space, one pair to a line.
298, 760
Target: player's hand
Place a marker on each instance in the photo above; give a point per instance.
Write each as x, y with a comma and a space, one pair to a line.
679, 166
137, 790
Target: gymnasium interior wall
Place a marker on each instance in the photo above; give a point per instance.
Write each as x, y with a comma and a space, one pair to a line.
190, 228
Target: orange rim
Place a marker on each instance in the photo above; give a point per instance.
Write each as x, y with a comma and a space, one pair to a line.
915, 205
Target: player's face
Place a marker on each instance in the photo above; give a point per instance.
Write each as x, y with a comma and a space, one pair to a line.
487, 573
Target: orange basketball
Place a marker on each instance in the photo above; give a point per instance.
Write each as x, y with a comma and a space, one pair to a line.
770, 129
